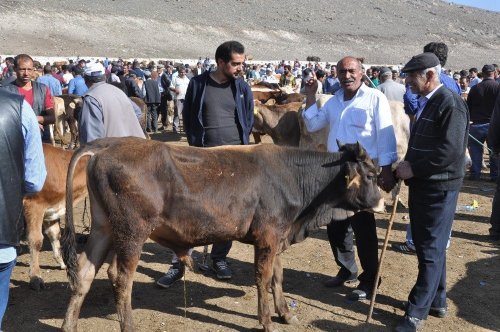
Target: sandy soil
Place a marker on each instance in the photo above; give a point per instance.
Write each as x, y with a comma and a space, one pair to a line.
202, 303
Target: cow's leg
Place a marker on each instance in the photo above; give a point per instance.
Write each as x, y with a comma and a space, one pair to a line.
113, 270
51, 134
256, 137
264, 257
89, 262
279, 299
34, 220
53, 232
126, 265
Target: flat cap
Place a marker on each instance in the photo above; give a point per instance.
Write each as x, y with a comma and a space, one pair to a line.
421, 62
385, 71
488, 69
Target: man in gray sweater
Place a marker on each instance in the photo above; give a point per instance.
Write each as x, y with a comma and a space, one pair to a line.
106, 111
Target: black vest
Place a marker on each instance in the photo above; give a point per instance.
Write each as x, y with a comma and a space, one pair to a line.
38, 106
12, 166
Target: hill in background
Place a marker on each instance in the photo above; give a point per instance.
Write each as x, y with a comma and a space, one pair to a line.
381, 31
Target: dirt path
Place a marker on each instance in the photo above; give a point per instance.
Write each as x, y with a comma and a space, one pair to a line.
473, 284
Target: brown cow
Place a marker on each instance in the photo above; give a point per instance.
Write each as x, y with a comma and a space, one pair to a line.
57, 126
182, 197
72, 105
42, 210
278, 121
144, 111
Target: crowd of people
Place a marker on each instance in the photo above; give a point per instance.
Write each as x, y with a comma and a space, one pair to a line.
213, 105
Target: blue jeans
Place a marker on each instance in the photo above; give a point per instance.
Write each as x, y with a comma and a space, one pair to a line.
480, 133
5, 273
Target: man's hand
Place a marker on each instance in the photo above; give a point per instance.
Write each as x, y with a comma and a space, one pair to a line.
310, 88
404, 171
386, 179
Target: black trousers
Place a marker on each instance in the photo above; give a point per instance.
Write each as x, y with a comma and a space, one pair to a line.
495, 210
340, 235
162, 110
431, 218
220, 250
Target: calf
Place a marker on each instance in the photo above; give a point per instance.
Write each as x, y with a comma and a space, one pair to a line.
42, 210
182, 197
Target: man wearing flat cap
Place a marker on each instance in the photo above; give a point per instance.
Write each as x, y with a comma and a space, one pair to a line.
481, 101
433, 169
392, 90
106, 110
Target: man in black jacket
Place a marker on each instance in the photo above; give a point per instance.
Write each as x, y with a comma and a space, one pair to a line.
218, 110
152, 99
433, 170
480, 101
494, 143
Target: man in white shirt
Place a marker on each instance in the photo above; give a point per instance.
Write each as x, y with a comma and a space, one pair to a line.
356, 113
179, 87
269, 77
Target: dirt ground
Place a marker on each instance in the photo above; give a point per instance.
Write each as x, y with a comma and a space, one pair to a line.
202, 303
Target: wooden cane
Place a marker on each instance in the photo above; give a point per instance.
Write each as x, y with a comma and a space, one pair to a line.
382, 254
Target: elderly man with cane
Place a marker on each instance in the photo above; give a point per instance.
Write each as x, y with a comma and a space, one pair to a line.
433, 169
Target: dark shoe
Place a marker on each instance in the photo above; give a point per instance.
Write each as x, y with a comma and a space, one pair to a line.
473, 178
409, 324
363, 291
438, 312
403, 248
494, 237
221, 269
175, 273
338, 281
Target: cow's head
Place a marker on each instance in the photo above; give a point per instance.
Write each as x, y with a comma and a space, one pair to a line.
362, 192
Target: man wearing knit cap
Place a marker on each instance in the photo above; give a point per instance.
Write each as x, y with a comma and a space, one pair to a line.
433, 169
106, 111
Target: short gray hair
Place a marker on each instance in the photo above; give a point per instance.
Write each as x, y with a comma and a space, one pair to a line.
436, 69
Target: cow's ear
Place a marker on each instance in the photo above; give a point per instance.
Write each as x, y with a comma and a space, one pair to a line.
353, 178
361, 154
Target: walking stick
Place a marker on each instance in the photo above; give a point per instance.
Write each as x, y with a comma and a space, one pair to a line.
382, 254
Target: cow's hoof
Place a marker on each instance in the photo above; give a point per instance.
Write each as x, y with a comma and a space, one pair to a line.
292, 320
37, 284
271, 328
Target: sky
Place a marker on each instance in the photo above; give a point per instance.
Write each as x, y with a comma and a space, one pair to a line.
493, 5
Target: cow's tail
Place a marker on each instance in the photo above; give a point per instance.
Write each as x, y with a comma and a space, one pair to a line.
68, 238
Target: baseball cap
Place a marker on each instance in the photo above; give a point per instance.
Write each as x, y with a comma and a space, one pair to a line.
94, 69
488, 69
